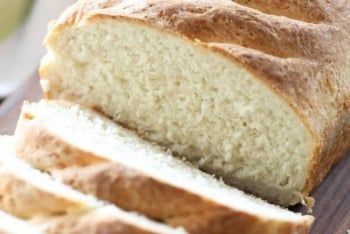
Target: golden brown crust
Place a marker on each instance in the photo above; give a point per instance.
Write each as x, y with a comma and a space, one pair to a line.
304, 60
222, 222
24, 200
103, 220
56, 154
309, 11
219, 22
133, 190
94, 223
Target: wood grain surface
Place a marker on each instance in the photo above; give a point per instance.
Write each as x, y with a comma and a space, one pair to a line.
332, 208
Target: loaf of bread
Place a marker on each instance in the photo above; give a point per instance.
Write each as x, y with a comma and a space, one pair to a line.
52, 207
92, 154
254, 92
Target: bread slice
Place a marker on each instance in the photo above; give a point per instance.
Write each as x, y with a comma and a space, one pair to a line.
57, 208
139, 176
257, 98
12, 225
26, 192
109, 220
105, 219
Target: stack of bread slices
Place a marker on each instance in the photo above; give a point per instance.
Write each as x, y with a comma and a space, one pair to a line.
156, 110
68, 169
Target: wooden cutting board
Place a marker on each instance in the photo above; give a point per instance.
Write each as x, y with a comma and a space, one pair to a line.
332, 208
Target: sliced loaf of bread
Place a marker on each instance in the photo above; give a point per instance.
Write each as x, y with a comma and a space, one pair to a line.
237, 88
57, 208
99, 157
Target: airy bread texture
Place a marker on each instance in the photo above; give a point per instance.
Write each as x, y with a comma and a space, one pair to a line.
258, 99
53, 207
121, 168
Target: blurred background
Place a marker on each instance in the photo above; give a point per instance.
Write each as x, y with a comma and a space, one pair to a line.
23, 25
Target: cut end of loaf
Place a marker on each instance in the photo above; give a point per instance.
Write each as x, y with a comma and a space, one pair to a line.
186, 97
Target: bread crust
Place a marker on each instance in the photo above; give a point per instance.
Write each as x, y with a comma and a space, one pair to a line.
137, 191
24, 200
94, 223
132, 190
99, 221
303, 60
309, 11
55, 154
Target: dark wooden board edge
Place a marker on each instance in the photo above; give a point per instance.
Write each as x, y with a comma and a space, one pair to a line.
11, 106
332, 208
